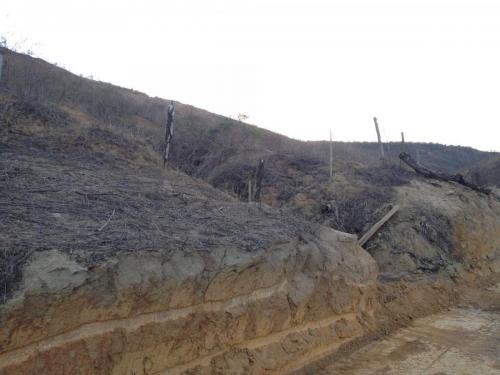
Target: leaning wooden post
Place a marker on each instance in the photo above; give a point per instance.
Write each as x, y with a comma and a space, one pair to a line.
382, 155
331, 155
403, 138
377, 226
169, 131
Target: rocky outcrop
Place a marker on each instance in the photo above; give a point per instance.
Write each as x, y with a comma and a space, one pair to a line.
224, 311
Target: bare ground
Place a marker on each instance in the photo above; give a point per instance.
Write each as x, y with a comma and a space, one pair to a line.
434, 328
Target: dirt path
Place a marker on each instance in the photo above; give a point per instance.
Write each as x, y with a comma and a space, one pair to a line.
459, 341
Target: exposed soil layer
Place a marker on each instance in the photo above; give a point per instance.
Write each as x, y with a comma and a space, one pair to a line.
401, 307
262, 312
463, 340
459, 341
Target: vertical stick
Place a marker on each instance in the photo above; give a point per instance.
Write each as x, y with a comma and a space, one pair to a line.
250, 190
402, 148
331, 155
382, 155
259, 174
169, 131
1, 66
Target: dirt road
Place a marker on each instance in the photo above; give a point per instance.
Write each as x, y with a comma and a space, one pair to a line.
459, 341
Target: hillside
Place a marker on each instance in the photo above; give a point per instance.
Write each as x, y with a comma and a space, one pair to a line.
123, 266
486, 172
222, 151
206, 145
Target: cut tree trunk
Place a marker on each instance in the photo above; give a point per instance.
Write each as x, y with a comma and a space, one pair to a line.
458, 178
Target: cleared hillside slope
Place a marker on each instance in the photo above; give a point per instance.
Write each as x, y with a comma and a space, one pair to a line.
111, 265
206, 145
126, 268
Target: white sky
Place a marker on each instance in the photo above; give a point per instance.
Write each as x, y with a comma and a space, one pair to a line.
298, 67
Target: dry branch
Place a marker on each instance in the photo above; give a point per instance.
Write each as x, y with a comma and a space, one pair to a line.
458, 178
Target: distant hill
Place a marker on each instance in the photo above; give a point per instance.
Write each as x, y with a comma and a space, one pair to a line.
204, 142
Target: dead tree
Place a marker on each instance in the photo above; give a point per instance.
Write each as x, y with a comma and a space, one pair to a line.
458, 178
169, 131
259, 174
382, 155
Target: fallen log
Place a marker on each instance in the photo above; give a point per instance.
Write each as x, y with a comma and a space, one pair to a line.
458, 178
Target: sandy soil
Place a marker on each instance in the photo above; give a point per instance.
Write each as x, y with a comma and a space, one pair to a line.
458, 341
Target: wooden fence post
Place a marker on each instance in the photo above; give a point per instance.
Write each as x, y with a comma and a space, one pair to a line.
169, 131
259, 174
331, 155
1, 65
250, 190
402, 148
382, 155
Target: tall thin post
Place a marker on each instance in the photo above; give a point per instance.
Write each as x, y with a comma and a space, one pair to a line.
331, 155
250, 190
169, 131
382, 155
1, 65
402, 148
259, 174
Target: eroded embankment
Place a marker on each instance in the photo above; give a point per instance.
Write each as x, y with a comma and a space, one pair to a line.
460, 340
441, 250
267, 312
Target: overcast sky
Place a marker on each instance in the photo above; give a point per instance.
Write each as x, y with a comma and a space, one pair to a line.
297, 67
